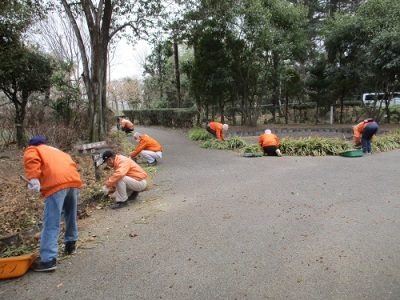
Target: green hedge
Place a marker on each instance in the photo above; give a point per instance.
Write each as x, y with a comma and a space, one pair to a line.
167, 117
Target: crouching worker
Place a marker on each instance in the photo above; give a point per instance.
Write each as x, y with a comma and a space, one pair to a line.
270, 143
365, 132
128, 179
126, 125
148, 148
54, 174
217, 129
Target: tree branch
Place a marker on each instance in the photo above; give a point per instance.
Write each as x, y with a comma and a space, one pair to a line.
81, 45
120, 28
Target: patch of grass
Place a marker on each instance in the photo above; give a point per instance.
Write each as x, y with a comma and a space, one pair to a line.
199, 134
387, 142
253, 149
235, 143
214, 144
228, 144
313, 146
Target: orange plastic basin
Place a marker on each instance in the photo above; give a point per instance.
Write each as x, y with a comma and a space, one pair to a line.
16, 266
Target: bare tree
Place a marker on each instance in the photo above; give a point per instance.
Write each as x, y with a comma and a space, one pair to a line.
57, 37
105, 20
124, 94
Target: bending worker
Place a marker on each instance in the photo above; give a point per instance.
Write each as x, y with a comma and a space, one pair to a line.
270, 143
53, 173
128, 178
126, 125
148, 147
365, 132
217, 129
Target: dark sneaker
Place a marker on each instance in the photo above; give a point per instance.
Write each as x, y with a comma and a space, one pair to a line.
70, 248
117, 205
45, 266
133, 196
154, 163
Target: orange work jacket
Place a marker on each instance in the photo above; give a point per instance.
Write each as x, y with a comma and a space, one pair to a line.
269, 139
54, 168
359, 129
217, 127
146, 143
124, 166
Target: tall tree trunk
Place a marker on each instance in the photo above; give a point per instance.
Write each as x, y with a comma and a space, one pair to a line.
160, 75
177, 74
275, 93
94, 72
286, 108
20, 112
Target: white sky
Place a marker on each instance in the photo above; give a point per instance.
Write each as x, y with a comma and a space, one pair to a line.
128, 60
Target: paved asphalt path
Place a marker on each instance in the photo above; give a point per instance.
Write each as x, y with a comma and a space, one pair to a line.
215, 225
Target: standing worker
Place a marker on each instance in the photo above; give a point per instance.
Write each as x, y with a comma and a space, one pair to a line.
270, 143
126, 125
149, 148
217, 129
128, 178
366, 130
53, 173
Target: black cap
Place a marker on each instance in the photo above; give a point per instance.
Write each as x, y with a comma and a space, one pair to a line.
106, 155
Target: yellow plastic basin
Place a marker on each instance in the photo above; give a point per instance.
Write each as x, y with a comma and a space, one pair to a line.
16, 266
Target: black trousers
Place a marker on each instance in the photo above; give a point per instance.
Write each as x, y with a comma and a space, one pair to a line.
126, 129
211, 131
270, 150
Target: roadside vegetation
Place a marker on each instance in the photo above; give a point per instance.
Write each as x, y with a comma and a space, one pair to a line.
310, 146
21, 211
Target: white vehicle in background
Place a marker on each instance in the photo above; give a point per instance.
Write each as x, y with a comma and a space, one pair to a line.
378, 99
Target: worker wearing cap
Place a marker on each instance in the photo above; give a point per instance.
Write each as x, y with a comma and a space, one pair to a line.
126, 125
269, 142
53, 173
148, 148
128, 178
363, 134
217, 129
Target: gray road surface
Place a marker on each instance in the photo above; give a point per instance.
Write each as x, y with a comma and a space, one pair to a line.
215, 225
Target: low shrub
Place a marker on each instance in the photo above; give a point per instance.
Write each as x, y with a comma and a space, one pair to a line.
253, 149
235, 143
199, 134
314, 146
387, 142
214, 144
228, 144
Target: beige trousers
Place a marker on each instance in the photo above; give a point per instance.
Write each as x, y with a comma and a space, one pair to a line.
126, 186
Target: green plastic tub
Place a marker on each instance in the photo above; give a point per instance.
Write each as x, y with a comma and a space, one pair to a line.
352, 153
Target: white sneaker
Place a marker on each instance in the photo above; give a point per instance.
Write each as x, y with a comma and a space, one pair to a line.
278, 152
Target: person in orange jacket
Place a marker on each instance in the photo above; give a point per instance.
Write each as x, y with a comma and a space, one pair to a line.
217, 129
53, 173
269, 142
149, 148
363, 134
126, 125
127, 180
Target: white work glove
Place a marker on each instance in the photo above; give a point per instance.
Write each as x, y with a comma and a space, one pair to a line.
106, 190
34, 185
